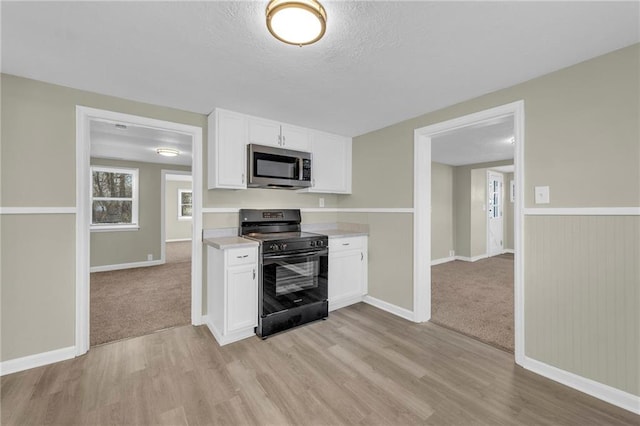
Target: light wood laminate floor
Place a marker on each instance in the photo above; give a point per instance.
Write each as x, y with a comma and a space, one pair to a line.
362, 366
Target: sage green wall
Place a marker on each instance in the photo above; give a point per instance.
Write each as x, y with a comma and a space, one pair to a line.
118, 247
478, 213
582, 293
582, 124
38, 170
175, 229
442, 229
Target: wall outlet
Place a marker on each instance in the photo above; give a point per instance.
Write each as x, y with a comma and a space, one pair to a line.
149, 257
452, 253
321, 201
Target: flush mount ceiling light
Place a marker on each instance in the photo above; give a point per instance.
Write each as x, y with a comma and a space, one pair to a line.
168, 152
298, 22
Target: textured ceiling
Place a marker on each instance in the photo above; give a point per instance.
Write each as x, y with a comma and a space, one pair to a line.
137, 143
379, 62
480, 143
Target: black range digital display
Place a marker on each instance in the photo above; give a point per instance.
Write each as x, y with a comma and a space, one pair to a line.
272, 215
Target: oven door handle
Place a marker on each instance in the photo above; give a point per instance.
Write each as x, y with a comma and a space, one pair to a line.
294, 255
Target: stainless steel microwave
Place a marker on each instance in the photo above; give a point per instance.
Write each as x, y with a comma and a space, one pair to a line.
271, 167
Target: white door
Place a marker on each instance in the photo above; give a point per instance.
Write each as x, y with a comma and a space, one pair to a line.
331, 164
242, 297
229, 152
495, 200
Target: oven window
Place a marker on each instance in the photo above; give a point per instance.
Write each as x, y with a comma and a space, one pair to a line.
276, 166
292, 276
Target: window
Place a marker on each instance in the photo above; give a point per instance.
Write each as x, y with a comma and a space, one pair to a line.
114, 198
185, 206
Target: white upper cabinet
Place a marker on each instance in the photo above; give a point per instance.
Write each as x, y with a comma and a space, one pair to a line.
227, 141
229, 133
296, 138
272, 133
331, 163
264, 132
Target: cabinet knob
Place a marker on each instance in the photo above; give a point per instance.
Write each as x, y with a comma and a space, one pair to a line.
243, 178
361, 256
254, 274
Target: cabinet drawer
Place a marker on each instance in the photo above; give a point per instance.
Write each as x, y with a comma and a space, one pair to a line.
242, 256
347, 243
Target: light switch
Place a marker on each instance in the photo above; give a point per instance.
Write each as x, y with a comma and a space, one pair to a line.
542, 194
321, 201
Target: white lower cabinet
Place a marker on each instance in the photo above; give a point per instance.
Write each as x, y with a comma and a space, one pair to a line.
232, 293
347, 271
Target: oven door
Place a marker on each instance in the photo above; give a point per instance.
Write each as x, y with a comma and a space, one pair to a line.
294, 279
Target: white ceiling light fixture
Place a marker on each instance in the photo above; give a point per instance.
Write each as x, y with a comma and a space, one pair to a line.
168, 152
298, 22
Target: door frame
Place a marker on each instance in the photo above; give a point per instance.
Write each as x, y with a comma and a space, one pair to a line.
487, 220
84, 116
422, 212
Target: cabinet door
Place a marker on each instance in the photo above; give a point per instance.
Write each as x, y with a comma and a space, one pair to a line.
227, 150
242, 297
331, 164
294, 137
347, 275
264, 132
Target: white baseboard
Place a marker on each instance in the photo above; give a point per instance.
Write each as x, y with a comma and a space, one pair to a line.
443, 260
229, 338
590, 387
341, 303
119, 266
472, 259
37, 360
177, 240
386, 306
512, 251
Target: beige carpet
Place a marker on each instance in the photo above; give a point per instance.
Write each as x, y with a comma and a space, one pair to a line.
139, 301
475, 298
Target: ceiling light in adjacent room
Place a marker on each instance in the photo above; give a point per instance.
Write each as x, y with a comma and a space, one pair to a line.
168, 152
296, 22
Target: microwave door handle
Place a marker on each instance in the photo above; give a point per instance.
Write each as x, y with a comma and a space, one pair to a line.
300, 168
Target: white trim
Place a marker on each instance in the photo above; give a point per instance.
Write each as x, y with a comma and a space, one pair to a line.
583, 211
84, 116
472, 259
442, 260
356, 210
37, 210
422, 208
318, 210
229, 338
178, 240
512, 251
598, 390
116, 228
344, 302
36, 360
386, 306
119, 266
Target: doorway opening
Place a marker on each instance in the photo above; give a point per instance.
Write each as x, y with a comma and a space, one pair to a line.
472, 263
125, 283
470, 207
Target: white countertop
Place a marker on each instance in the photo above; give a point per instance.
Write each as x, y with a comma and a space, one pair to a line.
341, 233
224, 243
